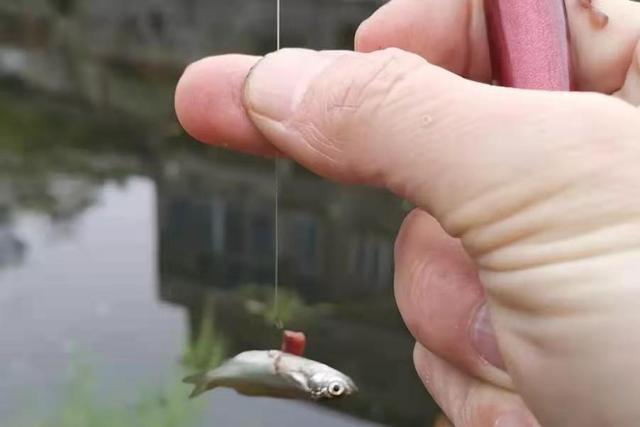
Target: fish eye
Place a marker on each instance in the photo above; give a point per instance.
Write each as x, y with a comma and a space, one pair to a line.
336, 389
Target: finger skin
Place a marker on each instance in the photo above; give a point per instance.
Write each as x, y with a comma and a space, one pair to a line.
358, 104
451, 34
466, 401
438, 294
630, 91
601, 56
209, 104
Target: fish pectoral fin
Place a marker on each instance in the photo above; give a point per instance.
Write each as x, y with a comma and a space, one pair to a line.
298, 380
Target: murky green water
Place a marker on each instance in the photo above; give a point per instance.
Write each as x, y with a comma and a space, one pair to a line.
130, 254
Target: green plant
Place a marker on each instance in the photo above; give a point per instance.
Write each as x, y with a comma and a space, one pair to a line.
81, 407
260, 301
209, 348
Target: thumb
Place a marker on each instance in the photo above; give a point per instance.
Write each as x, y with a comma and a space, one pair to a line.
467, 152
539, 186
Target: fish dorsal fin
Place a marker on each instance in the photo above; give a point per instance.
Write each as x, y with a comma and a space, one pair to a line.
293, 342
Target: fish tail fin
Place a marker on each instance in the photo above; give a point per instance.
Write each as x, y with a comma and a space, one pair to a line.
200, 381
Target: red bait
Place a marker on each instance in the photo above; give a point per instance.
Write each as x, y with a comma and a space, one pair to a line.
293, 342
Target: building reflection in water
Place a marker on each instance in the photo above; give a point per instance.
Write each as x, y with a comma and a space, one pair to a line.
216, 221
217, 228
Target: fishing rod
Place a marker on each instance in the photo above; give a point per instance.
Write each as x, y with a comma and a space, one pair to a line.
530, 43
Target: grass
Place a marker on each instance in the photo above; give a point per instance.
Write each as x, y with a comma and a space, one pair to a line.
291, 307
209, 348
168, 406
81, 406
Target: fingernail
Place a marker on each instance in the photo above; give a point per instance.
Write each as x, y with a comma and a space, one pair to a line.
484, 338
513, 419
277, 84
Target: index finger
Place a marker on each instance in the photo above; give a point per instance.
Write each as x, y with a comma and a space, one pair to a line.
453, 34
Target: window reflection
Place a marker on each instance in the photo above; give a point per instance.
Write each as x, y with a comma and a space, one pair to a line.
301, 243
370, 259
227, 239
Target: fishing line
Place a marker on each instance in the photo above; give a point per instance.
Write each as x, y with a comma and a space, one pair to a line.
276, 310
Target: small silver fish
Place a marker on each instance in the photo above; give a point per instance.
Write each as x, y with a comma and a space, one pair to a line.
273, 373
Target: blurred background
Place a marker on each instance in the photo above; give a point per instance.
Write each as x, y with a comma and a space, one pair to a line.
131, 255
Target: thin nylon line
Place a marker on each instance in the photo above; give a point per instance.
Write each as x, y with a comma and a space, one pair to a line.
276, 310
277, 24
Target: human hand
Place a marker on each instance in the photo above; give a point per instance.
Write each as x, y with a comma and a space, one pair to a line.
529, 202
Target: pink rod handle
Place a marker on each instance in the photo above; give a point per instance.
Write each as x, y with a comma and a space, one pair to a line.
529, 42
